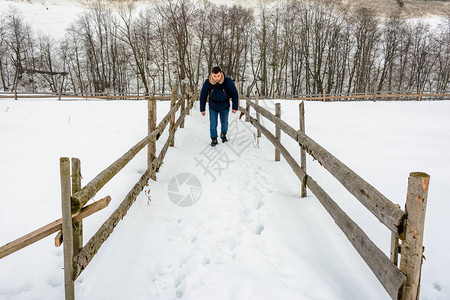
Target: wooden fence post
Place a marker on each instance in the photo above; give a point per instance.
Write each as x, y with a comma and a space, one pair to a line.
76, 186
151, 152
183, 102
67, 228
173, 100
419, 97
258, 117
412, 246
277, 130
324, 95
301, 108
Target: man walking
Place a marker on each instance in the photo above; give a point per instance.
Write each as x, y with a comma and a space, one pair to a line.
219, 89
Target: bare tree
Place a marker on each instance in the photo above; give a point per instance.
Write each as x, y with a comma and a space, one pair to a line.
442, 44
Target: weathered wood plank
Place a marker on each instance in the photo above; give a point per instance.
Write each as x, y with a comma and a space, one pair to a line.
301, 113
76, 186
59, 239
151, 151
258, 117
389, 275
277, 130
412, 246
172, 120
386, 211
66, 192
50, 228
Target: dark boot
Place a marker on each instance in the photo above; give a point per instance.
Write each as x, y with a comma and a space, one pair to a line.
213, 142
223, 136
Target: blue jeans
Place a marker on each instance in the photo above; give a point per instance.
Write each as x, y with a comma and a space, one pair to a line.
213, 116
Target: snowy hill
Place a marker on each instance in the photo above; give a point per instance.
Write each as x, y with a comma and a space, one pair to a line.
54, 16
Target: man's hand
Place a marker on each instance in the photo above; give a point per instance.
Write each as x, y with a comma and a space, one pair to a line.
203, 113
233, 111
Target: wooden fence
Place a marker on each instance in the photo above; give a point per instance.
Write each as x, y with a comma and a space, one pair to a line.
376, 96
74, 197
408, 225
74, 96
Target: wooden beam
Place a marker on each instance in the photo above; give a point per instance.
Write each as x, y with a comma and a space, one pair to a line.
301, 113
172, 119
258, 117
381, 207
76, 186
277, 130
59, 239
412, 246
151, 151
66, 192
51, 228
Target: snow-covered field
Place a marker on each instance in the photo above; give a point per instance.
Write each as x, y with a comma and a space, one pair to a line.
250, 235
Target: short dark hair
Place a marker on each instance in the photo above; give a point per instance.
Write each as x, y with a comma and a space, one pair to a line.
216, 70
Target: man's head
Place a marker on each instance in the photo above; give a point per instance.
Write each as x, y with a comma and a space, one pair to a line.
216, 74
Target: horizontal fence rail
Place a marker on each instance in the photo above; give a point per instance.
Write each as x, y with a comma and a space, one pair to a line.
51, 228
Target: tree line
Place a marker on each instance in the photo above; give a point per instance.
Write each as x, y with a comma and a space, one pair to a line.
278, 48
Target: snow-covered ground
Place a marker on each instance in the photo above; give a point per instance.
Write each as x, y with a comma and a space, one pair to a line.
249, 235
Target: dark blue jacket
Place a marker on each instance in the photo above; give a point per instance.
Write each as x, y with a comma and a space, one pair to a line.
219, 95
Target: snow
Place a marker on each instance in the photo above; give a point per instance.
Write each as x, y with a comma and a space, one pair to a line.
250, 235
